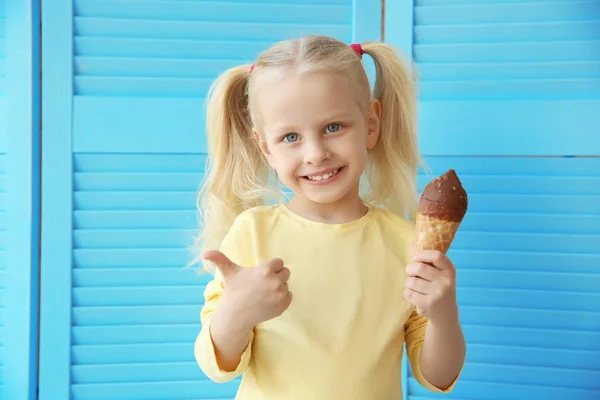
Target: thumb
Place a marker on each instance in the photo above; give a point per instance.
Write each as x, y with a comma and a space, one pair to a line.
227, 267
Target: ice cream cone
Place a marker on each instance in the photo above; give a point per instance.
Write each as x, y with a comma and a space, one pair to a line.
442, 207
434, 233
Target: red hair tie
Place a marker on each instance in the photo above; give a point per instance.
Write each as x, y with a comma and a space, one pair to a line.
358, 49
251, 69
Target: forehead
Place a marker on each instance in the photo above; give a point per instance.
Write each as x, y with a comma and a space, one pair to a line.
299, 99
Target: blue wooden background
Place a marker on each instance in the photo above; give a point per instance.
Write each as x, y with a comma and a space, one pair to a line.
509, 93
509, 97
19, 194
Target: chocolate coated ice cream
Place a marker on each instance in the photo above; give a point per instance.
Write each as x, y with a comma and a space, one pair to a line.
444, 198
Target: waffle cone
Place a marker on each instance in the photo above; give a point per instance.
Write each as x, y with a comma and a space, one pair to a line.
434, 233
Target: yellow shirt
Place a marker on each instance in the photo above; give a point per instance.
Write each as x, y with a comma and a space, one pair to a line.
343, 335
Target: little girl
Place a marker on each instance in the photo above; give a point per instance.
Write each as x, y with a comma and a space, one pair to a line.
315, 298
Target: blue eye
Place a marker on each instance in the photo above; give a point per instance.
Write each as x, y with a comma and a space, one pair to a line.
333, 128
290, 137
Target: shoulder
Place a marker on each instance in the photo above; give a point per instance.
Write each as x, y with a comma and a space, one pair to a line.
256, 215
260, 212
395, 225
253, 220
245, 232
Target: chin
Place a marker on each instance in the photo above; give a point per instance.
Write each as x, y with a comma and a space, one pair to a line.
325, 197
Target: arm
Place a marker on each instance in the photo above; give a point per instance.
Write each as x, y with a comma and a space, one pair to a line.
230, 336
443, 353
434, 335
434, 362
246, 296
224, 347
250, 296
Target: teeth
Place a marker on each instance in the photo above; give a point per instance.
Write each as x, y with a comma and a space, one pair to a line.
326, 176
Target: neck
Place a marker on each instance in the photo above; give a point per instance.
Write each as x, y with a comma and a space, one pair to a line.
342, 211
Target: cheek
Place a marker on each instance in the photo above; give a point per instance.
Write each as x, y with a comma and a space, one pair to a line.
362, 158
359, 157
284, 162
357, 150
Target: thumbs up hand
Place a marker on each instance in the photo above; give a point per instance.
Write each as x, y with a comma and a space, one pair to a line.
254, 294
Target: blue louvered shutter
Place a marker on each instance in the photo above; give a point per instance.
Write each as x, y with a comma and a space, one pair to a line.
510, 93
123, 158
3, 187
19, 198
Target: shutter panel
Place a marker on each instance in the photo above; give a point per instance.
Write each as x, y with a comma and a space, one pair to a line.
3, 194
509, 98
527, 255
504, 76
19, 205
124, 156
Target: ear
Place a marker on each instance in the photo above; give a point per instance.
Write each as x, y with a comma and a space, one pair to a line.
373, 123
262, 144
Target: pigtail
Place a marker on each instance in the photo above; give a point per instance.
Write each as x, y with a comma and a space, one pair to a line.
236, 171
391, 172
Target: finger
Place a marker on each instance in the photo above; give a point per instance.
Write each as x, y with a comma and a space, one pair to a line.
283, 301
273, 266
288, 299
423, 271
284, 287
225, 265
414, 298
435, 258
412, 249
419, 285
284, 275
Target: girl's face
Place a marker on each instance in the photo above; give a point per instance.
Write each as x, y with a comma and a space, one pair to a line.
315, 133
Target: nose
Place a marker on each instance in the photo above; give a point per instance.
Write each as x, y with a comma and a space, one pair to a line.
316, 152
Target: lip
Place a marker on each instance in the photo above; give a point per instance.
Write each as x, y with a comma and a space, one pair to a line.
327, 181
322, 172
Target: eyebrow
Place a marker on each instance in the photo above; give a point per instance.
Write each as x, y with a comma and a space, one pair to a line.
337, 116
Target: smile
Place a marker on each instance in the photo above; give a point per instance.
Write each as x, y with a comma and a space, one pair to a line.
323, 177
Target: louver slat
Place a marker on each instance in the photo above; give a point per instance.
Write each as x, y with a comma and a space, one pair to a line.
3, 255
3, 187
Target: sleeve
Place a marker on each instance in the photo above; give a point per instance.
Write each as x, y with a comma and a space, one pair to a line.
414, 331
234, 247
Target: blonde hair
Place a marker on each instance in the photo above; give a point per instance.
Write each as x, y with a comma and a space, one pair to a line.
237, 174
